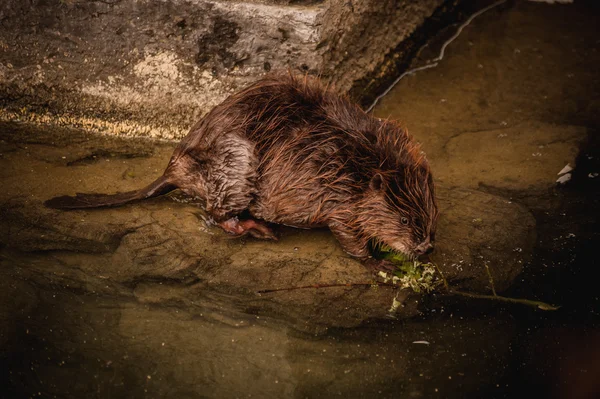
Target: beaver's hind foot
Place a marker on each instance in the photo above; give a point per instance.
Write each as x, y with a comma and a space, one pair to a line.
255, 228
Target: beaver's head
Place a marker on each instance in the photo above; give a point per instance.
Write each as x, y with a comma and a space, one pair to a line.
401, 211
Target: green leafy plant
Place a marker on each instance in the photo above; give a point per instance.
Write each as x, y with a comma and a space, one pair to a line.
408, 273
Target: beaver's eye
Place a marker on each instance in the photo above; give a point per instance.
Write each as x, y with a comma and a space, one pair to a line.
404, 220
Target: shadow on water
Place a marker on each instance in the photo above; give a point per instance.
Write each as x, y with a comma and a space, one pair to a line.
144, 301
560, 353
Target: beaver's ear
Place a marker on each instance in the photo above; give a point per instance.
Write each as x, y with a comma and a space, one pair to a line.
376, 182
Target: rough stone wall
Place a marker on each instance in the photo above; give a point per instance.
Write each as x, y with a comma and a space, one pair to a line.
152, 68
360, 34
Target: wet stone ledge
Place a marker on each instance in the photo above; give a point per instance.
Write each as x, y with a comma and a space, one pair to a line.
152, 68
160, 251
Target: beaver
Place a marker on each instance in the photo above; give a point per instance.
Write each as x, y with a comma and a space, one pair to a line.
287, 150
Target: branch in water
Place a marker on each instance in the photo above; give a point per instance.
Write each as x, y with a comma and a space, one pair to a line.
496, 297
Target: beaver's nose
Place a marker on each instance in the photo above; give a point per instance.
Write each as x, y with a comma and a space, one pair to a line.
425, 248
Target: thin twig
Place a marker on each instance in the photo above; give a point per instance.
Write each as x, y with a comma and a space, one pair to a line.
536, 304
528, 302
487, 269
375, 283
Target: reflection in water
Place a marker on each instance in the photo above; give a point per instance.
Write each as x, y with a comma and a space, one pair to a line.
513, 101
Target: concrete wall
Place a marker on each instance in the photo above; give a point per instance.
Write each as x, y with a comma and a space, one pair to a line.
153, 67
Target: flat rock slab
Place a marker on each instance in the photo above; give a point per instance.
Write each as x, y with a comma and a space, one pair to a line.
472, 239
152, 68
161, 251
525, 157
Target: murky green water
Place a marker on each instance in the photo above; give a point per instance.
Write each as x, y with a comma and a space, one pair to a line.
145, 301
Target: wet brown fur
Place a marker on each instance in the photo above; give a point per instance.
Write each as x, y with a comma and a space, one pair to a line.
291, 152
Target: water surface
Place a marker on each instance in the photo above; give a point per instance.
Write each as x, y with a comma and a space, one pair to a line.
133, 308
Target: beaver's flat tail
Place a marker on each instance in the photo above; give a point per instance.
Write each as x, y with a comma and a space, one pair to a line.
83, 201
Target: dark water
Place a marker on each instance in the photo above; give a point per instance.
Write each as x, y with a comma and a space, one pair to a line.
523, 70
513, 101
